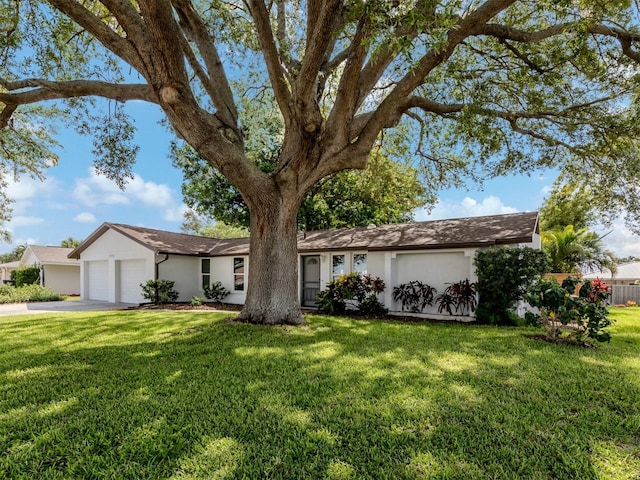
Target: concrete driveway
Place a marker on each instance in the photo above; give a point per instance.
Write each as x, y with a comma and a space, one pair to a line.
7, 309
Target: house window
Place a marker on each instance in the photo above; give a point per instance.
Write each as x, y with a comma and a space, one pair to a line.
205, 266
238, 273
337, 266
360, 263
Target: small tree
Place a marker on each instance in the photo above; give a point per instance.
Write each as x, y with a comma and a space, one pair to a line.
504, 275
26, 276
558, 307
159, 292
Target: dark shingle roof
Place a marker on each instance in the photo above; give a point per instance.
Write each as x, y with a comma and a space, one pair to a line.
459, 232
454, 233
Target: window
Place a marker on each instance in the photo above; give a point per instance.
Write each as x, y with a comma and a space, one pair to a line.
205, 267
238, 273
337, 266
360, 263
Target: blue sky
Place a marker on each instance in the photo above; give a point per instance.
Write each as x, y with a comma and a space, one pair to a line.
73, 201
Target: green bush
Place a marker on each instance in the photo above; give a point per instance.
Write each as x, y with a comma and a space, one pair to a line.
26, 276
352, 290
460, 296
27, 293
558, 307
215, 292
195, 301
504, 276
414, 295
159, 291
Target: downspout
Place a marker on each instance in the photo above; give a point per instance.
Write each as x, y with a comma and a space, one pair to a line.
166, 257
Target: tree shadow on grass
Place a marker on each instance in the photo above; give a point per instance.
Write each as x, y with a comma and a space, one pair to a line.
181, 396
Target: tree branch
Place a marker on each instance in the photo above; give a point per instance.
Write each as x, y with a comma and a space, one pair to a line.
41, 90
318, 41
281, 90
111, 40
216, 84
465, 27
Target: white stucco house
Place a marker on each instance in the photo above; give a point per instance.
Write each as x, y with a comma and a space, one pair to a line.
116, 258
58, 271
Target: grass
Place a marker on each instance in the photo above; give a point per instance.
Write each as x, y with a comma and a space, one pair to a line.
184, 395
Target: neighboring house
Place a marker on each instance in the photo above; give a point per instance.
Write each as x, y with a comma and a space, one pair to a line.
116, 258
6, 269
58, 272
627, 274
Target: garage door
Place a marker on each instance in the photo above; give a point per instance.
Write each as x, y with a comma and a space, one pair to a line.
132, 274
98, 280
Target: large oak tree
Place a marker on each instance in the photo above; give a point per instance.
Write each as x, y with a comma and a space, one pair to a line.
492, 85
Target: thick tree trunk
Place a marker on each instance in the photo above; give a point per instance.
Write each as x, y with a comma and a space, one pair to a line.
272, 293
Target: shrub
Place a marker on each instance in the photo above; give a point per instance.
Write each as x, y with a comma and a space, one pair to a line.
27, 293
195, 301
159, 291
460, 296
558, 307
355, 290
415, 295
26, 276
504, 276
215, 292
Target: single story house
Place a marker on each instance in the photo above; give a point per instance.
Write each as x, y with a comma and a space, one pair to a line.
115, 259
627, 274
58, 271
6, 269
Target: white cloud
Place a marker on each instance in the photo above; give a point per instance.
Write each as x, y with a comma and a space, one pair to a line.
27, 187
96, 190
468, 207
85, 217
620, 240
24, 221
175, 214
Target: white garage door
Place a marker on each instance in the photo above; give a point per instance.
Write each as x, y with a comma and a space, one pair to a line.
98, 280
132, 274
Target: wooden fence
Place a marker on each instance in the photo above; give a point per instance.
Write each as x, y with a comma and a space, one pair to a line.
621, 293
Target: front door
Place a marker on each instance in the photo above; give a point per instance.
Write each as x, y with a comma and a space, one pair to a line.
310, 280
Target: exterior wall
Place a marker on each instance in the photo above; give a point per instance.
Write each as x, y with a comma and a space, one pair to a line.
113, 247
64, 279
222, 271
436, 268
29, 259
184, 271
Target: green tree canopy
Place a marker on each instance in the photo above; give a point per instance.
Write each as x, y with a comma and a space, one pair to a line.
491, 87
15, 254
573, 250
568, 205
70, 242
198, 225
386, 192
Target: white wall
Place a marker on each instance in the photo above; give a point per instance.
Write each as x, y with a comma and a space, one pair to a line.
436, 268
184, 271
222, 271
63, 279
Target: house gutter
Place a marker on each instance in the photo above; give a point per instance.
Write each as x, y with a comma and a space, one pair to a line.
166, 257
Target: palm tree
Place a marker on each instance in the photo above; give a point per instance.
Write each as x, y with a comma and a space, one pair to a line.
576, 251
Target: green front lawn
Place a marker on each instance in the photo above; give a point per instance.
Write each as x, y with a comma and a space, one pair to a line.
144, 394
